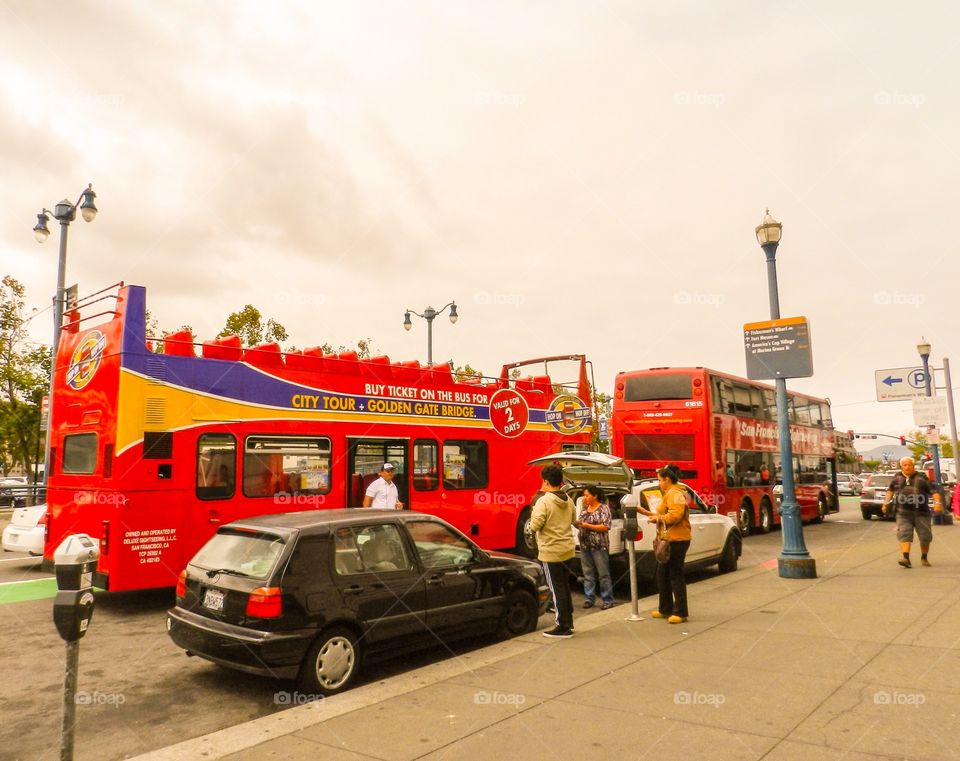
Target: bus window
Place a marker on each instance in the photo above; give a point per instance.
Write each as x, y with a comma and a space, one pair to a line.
644, 388
464, 464
216, 466
426, 473
286, 465
80, 453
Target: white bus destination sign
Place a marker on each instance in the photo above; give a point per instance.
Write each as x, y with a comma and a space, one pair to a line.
778, 349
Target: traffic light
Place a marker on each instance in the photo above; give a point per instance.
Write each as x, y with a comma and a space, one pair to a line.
903, 441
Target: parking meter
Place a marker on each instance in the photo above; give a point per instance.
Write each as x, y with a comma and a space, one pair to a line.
75, 561
631, 526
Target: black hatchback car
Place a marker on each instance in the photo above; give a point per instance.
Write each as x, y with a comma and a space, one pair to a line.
309, 595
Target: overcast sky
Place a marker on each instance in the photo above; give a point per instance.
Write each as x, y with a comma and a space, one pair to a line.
579, 176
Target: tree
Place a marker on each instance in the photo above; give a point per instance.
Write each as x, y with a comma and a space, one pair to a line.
248, 324
602, 407
922, 445
24, 378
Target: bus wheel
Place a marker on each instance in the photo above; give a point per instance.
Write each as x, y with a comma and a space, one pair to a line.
766, 518
526, 541
745, 518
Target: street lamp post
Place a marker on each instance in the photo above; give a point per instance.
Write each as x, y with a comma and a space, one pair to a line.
64, 212
429, 314
794, 561
923, 349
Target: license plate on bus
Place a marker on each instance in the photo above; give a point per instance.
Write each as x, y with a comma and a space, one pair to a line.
213, 599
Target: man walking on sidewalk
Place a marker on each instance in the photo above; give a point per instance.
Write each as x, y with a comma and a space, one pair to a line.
910, 495
552, 522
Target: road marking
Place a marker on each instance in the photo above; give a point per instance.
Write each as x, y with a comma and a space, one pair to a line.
24, 591
21, 559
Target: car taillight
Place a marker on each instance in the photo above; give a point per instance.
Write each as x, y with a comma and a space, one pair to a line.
639, 535
182, 584
265, 602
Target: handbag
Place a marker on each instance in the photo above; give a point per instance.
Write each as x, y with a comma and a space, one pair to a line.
661, 547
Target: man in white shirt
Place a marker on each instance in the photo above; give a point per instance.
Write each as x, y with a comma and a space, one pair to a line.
383, 491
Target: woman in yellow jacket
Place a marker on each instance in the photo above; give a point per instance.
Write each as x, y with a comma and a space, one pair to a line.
672, 518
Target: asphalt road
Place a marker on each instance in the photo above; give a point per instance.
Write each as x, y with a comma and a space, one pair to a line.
138, 692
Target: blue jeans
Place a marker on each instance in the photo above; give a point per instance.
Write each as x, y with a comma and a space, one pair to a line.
596, 563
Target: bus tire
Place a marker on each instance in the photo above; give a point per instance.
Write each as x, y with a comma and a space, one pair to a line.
765, 522
745, 517
332, 662
728, 559
520, 614
821, 509
526, 540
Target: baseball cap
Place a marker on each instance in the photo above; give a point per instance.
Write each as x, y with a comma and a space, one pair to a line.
387, 466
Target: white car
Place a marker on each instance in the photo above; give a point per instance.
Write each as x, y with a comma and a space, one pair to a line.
716, 538
27, 530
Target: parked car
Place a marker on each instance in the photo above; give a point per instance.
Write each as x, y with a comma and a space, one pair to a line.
26, 531
310, 595
12, 491
716, 538
871, 496
848, 485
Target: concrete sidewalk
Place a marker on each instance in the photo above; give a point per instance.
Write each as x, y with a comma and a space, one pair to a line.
861, 663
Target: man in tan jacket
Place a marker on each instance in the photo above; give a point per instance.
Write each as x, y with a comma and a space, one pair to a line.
552, 522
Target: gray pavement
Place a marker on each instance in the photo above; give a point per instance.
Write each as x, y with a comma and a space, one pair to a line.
861, 663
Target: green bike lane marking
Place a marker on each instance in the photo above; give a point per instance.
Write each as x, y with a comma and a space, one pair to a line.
24, 591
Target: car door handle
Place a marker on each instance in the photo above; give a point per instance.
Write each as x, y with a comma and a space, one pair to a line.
435, 581
353, 589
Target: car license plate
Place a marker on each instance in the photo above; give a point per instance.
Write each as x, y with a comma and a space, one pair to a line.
13, 538
213, 599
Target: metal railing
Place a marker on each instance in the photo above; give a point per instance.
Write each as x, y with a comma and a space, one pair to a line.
22, 495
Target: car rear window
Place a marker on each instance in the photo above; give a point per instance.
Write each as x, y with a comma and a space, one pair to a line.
245, 554
880, 480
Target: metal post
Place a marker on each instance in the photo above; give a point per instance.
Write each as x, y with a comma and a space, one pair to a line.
634, 599
794, 561
57, 325
69, 701
429, 339
935, 447
953, 420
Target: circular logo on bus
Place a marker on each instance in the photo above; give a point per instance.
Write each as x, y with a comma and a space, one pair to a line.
509, 413
86, 359
568, 414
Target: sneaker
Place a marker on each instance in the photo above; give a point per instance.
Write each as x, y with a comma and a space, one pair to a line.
676, 619
588, 603
924, 562
558, 632
607, 605
656, 614
905, 562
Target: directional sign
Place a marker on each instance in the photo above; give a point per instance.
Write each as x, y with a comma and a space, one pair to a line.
930, 410
900, 383
778, 349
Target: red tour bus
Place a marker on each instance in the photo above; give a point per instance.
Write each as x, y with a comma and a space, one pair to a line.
721, 431
151, 452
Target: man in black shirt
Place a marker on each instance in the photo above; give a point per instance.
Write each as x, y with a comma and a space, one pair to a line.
910, 495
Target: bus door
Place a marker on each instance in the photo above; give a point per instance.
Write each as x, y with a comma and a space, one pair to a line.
365, 458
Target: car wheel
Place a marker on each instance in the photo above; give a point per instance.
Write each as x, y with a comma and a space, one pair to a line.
745, 518
867, 514
766, 518
519, 614
331, 663
728, 560
526, 540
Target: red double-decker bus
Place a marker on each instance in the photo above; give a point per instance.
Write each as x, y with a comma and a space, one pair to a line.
151, 451
721, 431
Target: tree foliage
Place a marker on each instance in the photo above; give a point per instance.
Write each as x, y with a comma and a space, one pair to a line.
248, 323
24, 378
